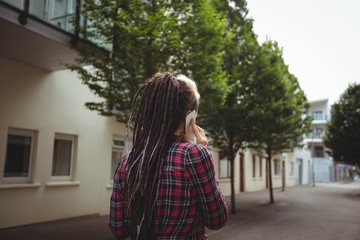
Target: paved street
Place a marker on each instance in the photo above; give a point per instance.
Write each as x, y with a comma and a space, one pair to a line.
326, 212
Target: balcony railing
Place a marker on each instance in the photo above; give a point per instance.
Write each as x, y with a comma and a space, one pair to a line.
316, 135
60, 14
318, 116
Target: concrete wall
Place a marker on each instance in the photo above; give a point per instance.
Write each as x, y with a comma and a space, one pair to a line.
304, 164
53, 102
324, 170
254, 181
49, 103
225, 183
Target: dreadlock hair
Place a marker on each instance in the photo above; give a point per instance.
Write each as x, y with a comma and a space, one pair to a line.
159, 107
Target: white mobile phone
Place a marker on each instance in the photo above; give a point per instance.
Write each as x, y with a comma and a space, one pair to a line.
188, 130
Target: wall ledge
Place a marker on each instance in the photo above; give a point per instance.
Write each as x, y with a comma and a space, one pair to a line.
63, 184
19, 185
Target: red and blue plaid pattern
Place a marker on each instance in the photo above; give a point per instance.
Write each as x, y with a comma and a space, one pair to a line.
189, 198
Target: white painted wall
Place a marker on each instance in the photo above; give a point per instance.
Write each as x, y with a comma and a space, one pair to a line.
53, 102
256, 183
303, 166
49, 103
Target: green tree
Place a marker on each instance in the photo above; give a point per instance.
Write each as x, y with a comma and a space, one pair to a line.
138, 38
230, 124
280, 106
343, 132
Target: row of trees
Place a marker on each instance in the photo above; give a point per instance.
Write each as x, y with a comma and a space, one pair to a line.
251, 99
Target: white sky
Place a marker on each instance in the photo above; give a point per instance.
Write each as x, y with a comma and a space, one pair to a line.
320, 41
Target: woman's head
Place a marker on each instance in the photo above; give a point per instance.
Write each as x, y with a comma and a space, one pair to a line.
159, 109
163, 102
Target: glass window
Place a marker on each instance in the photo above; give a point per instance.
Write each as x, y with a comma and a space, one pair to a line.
19, 151
38, 9
56, 12
254, 165
119, 149
260, 166
318, 132
63, 157
318, 115
318, 151
61, 12
224, 168
292, 169
16, 3
276, 167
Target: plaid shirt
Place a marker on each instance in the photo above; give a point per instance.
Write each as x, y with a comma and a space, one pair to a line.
189, 198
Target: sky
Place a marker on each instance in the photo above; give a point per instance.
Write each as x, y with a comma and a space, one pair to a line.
320, 41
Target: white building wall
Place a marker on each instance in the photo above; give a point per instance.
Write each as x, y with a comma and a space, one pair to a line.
324, 170
253, 182
49, 103
225, 183
53, 102
303, 171
290, 169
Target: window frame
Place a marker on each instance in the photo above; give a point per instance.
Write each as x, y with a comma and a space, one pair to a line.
292, 168
277, 167
318, 115
116, 148
260, 167
125, 148
254, 166
73, 139
228, 172
29, 177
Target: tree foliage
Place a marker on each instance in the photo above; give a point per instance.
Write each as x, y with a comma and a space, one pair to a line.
343, 132
230, 124
140, 38
280, 106
251, 99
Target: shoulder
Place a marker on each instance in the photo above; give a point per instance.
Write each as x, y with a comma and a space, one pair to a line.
189, 148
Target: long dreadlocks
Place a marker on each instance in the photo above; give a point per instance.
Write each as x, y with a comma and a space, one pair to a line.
159, 107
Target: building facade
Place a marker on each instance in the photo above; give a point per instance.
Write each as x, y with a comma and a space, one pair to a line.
323, 162
251, 172
57, 158
314, 164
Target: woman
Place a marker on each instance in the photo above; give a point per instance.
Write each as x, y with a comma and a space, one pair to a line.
165, 188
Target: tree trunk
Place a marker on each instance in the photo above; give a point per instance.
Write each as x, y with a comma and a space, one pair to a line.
283, 176
231, 156
270, 178
233, 203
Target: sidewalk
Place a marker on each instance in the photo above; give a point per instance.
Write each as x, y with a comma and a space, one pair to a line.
95, 227
253, 212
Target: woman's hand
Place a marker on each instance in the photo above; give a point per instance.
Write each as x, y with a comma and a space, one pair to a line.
199, 133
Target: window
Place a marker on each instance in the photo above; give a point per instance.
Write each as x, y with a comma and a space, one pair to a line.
260, 166
318, 115
318, 132
56, 12
225, 168
224, 165
276, 167
63, 157
254, 165
118, 151
19, 156
292, 168
319, 151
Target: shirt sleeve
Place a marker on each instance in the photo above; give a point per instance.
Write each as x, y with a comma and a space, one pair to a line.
118, 220
213, 208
